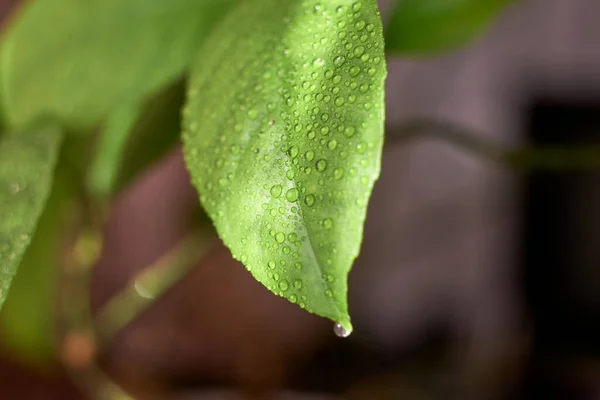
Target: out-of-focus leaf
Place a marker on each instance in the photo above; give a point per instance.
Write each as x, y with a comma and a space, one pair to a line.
27, 323
27, 161
156, 131
430, 26
79, 59
104, 169
134, 137
283, 133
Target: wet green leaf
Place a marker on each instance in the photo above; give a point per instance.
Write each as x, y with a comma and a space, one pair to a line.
78, 59
26, 169
283, 133
427, 26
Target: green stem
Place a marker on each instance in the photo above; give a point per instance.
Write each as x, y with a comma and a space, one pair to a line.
525, 158
151, 282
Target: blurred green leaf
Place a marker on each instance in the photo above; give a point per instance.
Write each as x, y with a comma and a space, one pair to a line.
27, 320
135, 137
79, 59
155, 132
104, 169
27, 163
283, 138
429, 26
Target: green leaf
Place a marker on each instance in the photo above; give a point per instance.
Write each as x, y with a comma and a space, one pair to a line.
78, 59
27, 318
283, 138
154, 133
133, 138
426, 26
26, 169
103, 172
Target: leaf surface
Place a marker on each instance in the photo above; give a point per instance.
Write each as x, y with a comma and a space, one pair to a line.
35, 289
283, 133
27, 163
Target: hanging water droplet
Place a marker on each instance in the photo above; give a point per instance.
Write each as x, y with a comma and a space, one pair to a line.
340, 331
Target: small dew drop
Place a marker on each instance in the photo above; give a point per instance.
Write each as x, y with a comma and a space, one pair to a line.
284, 285
361, 148
321, 165
280, 237
349, 131
276, 191
293, 151
292, 195
309, 200
359, 51
339, 60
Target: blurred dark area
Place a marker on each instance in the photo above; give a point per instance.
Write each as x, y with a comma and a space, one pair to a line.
475, 281
561, 279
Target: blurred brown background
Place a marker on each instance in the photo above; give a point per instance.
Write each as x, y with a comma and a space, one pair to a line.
474, 281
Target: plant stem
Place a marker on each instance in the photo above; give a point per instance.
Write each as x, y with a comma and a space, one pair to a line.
526, 158
151, 282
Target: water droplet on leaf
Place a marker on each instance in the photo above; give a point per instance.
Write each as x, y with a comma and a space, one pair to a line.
340, 331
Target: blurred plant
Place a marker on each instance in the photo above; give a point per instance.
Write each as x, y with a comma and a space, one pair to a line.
282, 130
